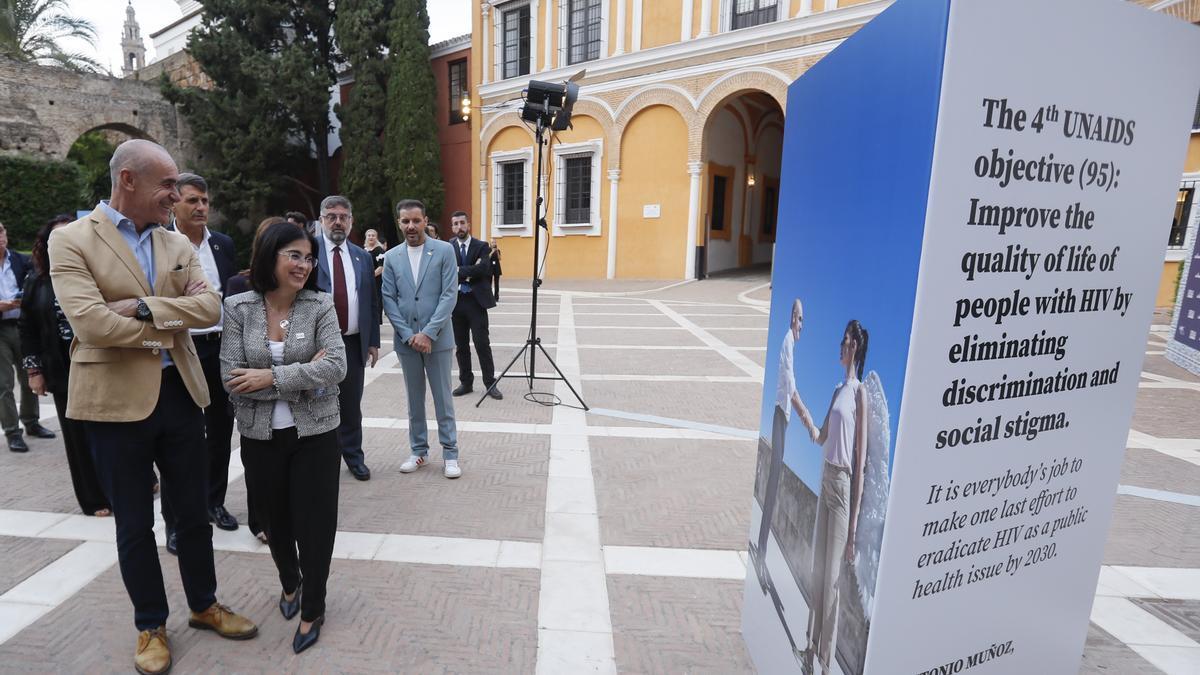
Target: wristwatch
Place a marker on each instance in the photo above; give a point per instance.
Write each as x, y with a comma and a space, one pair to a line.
143, 311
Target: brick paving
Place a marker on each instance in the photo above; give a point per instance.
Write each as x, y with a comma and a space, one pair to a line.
654, 484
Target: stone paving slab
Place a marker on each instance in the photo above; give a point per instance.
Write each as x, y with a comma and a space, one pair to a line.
1148, 533
585, 320
1168, 413
38, 480
1159, 365
616, 336
732, 404
386, 398
670, 625
20, 558
673, 493
742, 338
1147, 468
1182, 615
718, 322
381, 618
643, 362
1103, 654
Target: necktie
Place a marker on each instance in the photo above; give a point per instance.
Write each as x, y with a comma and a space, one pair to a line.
462, 254
339, 290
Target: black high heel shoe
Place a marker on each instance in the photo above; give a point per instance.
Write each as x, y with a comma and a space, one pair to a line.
289, 608
303, 641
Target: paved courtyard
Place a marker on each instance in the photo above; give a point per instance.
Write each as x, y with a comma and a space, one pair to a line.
603, 541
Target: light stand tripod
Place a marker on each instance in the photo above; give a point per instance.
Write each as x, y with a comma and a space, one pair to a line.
533, 344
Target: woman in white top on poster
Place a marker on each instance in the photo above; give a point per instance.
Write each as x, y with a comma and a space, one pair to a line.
843, 440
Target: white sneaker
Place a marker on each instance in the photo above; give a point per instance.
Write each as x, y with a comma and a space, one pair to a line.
414, 462
451, 470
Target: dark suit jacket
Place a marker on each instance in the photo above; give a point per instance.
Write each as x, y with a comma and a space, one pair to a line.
364, 282
476, 271
224, 254
20, 267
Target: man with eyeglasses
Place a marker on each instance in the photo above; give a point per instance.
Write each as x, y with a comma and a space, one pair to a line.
347, 272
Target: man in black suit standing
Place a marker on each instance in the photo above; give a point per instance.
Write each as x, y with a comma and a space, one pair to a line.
14, 267
474, 300
219, 261
347, 272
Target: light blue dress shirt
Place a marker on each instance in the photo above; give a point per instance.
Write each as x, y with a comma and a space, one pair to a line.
8, 286
142, 246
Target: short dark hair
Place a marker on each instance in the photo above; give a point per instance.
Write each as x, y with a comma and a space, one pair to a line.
296, 216
459, 214
191, 180
41, 243
404, 204
270, 242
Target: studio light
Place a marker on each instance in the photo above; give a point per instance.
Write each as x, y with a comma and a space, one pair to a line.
550, 103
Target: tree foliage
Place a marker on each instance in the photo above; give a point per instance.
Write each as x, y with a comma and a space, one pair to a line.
362, 32
272, 63
34, 190
33, 31
92, 152
411, 148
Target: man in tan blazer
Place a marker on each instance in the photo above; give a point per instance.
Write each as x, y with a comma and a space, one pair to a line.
131, 290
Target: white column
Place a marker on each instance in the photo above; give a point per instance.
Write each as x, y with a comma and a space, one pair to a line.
831, 4
533, 37
685, 26
614, 175
805, 8
486, 27
689, 270
637, 26
620, 48
483, 212
706, 17
549, 49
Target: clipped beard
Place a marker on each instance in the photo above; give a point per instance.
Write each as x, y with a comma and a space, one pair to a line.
338, 237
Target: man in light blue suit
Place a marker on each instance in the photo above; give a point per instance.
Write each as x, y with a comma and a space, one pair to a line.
420, 288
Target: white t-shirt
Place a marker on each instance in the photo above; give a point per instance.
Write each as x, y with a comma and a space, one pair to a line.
281, 417
787, 378
414, 261
840, 426
209, 264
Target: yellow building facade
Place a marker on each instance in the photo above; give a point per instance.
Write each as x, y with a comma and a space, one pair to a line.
671, 170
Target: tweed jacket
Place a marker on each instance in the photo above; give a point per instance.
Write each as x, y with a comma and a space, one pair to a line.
116, 365
309, 387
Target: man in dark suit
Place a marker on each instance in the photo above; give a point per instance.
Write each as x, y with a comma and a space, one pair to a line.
348, 273
217, 257
474, 300
14, 267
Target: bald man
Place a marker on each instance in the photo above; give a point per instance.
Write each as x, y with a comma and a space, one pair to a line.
131, 290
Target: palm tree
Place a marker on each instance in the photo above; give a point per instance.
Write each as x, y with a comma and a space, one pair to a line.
31, 31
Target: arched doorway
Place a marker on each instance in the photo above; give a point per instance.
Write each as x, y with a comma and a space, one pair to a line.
93, 149
742, 151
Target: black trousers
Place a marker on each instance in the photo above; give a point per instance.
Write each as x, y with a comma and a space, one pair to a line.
295, 481
470, 321
88, 490
172, 438
350, 391
218, 427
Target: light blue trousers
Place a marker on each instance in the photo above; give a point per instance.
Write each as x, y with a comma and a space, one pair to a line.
434, 368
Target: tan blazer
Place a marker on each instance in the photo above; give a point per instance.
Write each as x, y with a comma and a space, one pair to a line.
116, 362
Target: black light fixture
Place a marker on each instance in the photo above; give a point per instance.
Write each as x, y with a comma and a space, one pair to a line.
550, 103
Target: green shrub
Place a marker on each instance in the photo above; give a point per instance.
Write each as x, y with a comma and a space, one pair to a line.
32, 191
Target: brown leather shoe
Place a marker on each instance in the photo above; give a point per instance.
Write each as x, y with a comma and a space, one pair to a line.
225, 622
153, 655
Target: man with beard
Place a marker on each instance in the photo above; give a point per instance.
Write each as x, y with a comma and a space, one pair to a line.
219, 260
474, 300
346, 272
420, 287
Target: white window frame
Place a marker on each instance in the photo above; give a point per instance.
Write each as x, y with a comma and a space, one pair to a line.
498, 159
725, 20
497, 12
560, 57
560, 153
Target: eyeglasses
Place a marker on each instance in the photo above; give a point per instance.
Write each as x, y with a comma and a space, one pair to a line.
336, 217
296, 258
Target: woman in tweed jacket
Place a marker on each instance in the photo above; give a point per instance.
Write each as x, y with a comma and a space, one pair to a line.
282, 357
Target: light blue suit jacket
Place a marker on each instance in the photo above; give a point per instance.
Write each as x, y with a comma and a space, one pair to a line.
423, 307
